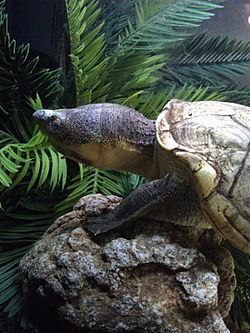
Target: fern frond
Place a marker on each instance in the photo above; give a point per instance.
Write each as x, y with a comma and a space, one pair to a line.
159, 24
207, 49
216, 61
10, 283
28, 220
92, 181
7, 138
19, 79
87, 51
152, 103
129, 182
192, 93
116, 15
138, 77
236, 94
35, 156
46, 82
135, 52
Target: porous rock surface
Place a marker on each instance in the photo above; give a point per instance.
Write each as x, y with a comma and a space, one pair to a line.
153, 277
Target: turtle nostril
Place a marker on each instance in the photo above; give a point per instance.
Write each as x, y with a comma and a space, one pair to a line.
39, 114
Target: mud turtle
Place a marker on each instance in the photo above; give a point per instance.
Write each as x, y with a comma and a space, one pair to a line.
196, 155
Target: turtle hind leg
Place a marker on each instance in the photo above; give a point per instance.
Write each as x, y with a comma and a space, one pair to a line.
167, 199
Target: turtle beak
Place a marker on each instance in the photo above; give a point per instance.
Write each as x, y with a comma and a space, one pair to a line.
43, 115
40, 114
42, 118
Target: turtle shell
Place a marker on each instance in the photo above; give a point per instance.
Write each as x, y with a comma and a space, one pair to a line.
217, 134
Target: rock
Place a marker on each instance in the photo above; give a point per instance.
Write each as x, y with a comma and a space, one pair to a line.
153, 277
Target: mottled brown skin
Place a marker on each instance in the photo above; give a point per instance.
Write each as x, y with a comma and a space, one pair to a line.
107, 136
115, 137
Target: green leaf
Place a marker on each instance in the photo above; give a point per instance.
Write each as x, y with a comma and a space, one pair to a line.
159, 24
38, 139
35, 103
62, 172
4, 178
35, 171
54, 170
23, 172
13, 154
87, 51
208, 60
45, 168
7, 163
94, 181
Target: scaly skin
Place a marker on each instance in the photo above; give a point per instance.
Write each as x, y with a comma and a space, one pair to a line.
107, 136
110, 136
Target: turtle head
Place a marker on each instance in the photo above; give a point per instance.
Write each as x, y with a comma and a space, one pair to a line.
73, 132
67, 126
105, 135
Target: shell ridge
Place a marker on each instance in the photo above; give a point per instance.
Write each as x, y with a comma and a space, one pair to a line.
240, 170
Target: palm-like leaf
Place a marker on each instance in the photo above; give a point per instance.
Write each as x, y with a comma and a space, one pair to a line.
116, 14
36, 157
93, 181
161, 23
87, 51
46, 164
158, 24
28, 222
214, 61
236, 94
18, 80
19, 77
139, 75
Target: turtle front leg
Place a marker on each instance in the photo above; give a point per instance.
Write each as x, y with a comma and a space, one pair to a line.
227, 221
166, 199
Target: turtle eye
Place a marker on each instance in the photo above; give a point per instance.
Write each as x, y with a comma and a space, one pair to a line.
55, 124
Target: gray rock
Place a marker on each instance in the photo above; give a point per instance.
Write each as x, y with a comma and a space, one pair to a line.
154, 277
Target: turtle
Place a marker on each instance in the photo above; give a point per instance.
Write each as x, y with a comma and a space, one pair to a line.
195, 157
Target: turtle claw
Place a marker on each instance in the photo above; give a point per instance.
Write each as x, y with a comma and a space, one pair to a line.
94, 225
100, 224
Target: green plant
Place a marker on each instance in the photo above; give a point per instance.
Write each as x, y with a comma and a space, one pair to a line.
143, 62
